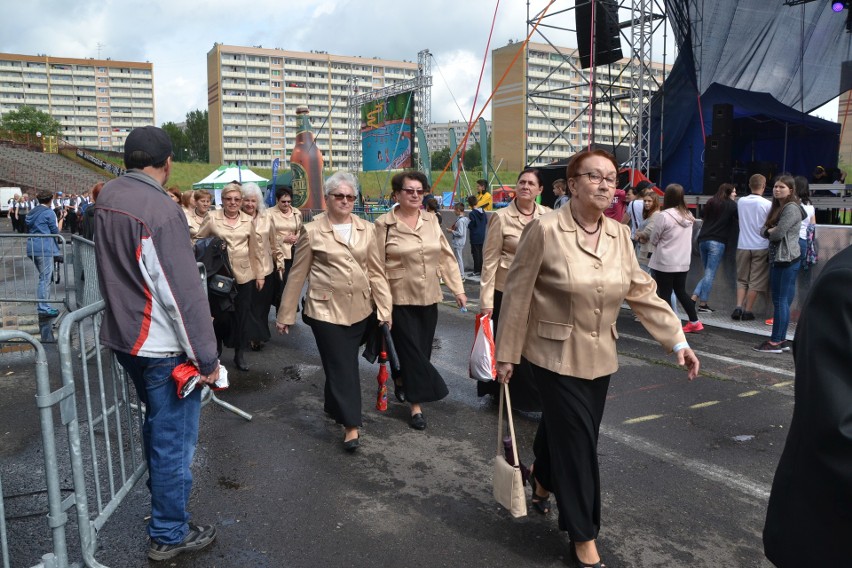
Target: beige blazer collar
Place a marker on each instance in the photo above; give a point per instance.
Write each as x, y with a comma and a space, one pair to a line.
392, 220
609, 228
358, 227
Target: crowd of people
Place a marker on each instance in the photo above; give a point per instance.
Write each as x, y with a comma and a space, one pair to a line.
599, 245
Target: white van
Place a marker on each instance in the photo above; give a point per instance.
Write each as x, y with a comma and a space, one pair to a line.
6, 195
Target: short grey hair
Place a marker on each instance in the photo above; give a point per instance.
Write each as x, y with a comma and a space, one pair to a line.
251, 189
341, 178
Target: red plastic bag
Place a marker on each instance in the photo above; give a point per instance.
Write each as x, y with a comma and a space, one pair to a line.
483, 364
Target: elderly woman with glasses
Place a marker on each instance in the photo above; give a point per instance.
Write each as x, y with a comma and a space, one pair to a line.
253, 206
337, 255
416, 255
236, 229
562, 297
286, 223
501, 242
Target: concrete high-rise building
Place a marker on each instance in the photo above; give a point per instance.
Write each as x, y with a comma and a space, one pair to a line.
253, 92
97, 101
438, 137
541, 129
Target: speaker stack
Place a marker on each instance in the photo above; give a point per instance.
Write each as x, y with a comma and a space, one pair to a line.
607, 38
718, 149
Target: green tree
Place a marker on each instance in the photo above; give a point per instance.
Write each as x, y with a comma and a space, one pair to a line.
29, 120
473, 157
440, 158
180, 141
198, 136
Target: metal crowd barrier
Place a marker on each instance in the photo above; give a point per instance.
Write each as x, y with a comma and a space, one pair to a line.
86, 291
19, 280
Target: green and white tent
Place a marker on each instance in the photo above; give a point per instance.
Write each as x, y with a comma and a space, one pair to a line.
225, 174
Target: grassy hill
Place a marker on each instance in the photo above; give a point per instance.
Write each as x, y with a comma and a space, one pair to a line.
373, 184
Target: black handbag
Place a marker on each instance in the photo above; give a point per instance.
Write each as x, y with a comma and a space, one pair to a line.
220, 285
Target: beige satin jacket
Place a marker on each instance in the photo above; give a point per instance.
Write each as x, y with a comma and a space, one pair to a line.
345, 281
416, 258
498, 252
195, 223
242, 248
283, 226
264, 237
562, 300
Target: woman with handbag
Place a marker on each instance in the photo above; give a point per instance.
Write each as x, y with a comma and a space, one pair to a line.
337, 255
501, 242
782, 229
286, 223
564, 290
416, 254
253, 206
237, 230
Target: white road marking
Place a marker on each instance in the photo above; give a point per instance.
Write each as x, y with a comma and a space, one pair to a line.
740, 362
708, 471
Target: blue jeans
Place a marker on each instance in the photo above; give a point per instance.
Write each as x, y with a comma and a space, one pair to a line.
712, 253
782, 282
44, 265
169, 434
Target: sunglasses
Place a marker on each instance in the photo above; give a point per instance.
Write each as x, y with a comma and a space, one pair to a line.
343, 197
285, 202
232, 199
412, 191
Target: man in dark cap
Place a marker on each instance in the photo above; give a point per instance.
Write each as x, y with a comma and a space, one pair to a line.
156, 318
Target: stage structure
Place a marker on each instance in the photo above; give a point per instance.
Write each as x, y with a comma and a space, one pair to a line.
382, 122
630, 85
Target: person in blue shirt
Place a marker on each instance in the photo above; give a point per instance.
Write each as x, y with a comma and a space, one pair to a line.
43, 221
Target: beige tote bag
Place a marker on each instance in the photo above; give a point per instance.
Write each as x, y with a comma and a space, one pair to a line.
508, 483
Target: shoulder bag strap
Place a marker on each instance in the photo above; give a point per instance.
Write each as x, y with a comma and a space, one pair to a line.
505, 398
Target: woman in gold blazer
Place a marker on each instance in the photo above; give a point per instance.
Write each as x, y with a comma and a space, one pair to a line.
236, 229
572, 271
416, 255
286, 223
261, 300
196, 214
337, 254
501, 243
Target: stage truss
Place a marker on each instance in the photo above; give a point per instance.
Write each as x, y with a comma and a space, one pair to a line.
421, 85
635, 82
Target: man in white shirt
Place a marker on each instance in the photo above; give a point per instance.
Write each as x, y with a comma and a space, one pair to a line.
752, 248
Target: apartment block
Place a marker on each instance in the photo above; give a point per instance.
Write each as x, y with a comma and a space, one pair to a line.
438, 136
97, 101
253, 93
541, 111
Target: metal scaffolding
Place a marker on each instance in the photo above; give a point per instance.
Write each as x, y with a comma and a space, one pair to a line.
421, 85
634, 82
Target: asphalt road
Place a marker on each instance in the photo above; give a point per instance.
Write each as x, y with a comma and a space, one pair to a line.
686, 466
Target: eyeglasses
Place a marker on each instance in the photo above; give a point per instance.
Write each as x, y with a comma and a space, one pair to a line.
232, 199
413, 191
285, 202
342, 197
595, 177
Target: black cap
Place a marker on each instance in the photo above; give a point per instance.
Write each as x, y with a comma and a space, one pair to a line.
153, 143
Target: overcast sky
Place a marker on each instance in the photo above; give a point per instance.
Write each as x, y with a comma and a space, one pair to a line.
176, 36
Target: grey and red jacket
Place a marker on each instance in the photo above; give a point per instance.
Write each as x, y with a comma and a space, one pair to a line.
155, 304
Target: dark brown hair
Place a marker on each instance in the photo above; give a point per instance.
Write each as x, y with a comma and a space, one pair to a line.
779, 204
573, 168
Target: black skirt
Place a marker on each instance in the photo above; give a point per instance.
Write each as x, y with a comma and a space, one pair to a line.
522, 387
338, 348
258, 324
413, 332
278, 282
232, 326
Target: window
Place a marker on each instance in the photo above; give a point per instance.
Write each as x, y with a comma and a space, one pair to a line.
102, 89
104, 119
276, 73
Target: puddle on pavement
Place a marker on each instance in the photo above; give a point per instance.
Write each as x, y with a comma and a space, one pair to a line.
228, 483
291, 373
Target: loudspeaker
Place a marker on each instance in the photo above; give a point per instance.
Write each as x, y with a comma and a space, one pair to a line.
718, 152
714, 177
607, 39
723, 119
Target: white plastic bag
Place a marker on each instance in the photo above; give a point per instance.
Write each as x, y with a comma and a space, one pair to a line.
483, 365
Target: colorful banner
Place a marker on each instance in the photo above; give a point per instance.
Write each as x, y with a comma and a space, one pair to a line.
386, 133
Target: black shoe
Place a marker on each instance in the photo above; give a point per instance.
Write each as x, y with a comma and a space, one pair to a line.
705, 309
747, 316
398, 391
737, 314
197, 538
418, 422
351, 445
580, 564
239, 361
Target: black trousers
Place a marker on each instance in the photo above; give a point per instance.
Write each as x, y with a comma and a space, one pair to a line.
675, 281
566, 448
476, 252
279, 281
338, 349
258, 325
